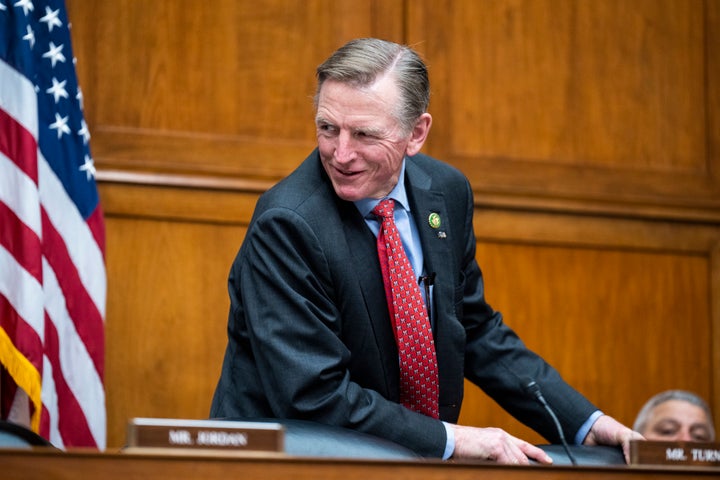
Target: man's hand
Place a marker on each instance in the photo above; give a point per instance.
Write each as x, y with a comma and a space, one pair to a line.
608, 431
496, 445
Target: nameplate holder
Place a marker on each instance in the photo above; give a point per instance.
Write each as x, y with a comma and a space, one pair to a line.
204, 435
699, 454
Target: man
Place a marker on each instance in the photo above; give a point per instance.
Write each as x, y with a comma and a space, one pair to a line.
676, 415
311, 334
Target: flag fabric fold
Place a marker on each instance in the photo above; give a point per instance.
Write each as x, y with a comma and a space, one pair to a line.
52, 238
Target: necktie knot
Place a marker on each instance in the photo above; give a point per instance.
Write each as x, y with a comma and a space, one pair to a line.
385, 209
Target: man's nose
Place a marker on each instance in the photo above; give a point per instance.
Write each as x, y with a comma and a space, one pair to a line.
345, 148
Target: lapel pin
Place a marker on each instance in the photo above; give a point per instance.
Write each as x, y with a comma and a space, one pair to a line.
442, 234
434, 220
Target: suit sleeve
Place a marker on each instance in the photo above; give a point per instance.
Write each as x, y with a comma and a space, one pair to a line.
294, 328
499, 362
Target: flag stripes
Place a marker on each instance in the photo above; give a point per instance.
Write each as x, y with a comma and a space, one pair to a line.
52, 240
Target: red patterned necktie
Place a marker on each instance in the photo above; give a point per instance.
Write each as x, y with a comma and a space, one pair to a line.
418, 363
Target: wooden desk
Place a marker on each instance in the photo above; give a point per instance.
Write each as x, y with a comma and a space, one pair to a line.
44, 465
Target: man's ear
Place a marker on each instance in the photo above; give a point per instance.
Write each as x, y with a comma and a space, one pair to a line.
419, 134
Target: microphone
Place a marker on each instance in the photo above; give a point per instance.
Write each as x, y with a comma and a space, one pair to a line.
427, 281
534, 389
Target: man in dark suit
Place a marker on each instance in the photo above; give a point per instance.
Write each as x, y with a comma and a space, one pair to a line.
310, 335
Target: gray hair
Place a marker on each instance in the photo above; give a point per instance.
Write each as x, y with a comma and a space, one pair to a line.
360, 62
662, 397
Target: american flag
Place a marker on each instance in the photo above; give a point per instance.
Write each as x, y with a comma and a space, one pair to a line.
52, 235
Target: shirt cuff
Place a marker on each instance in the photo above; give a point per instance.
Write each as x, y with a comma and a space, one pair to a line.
450, 445
585, 428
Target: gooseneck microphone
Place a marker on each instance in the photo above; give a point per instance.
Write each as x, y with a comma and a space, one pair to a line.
534, 389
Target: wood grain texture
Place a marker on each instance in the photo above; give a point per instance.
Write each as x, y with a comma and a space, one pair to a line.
604, 101
619, 325
167, 313
226, 88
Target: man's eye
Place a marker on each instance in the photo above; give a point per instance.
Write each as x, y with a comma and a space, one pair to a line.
665, 430
364, 135
700, 434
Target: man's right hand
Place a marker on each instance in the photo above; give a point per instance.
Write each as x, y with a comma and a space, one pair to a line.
495, 445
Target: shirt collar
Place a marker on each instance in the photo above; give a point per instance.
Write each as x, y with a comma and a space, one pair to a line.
398, 193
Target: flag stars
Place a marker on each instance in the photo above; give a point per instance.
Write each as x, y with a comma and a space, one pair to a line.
54, 53
84, 132
26, 5
51, 18
88, 167
58, 90
30, 37
61, 125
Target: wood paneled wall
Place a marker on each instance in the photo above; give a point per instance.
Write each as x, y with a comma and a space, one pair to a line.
590, 132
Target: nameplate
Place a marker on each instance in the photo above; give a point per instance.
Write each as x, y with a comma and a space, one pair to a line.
675, 453
169, 433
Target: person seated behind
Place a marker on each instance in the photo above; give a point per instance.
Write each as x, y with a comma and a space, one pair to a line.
676, 415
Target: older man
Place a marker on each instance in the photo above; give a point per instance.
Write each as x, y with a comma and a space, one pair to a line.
356, 300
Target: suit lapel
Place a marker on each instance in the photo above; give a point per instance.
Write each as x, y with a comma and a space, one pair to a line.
427, 208
362, 244
438, 258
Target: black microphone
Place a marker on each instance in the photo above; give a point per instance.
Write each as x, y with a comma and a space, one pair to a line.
427, 281
534, 389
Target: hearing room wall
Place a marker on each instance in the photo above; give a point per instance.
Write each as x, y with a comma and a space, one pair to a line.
590, 132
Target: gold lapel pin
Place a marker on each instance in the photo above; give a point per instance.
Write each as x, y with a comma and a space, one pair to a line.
434, 220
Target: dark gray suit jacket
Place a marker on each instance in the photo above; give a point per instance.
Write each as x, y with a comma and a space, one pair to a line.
309, 330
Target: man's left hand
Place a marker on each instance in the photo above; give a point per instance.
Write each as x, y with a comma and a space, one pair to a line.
608, 431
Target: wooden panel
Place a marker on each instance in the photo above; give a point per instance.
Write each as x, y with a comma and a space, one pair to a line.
225, 87
167, 312
622, 308
589, 131
172, 197
619, 325
712, 22
568, 99
589, 104
166, 317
